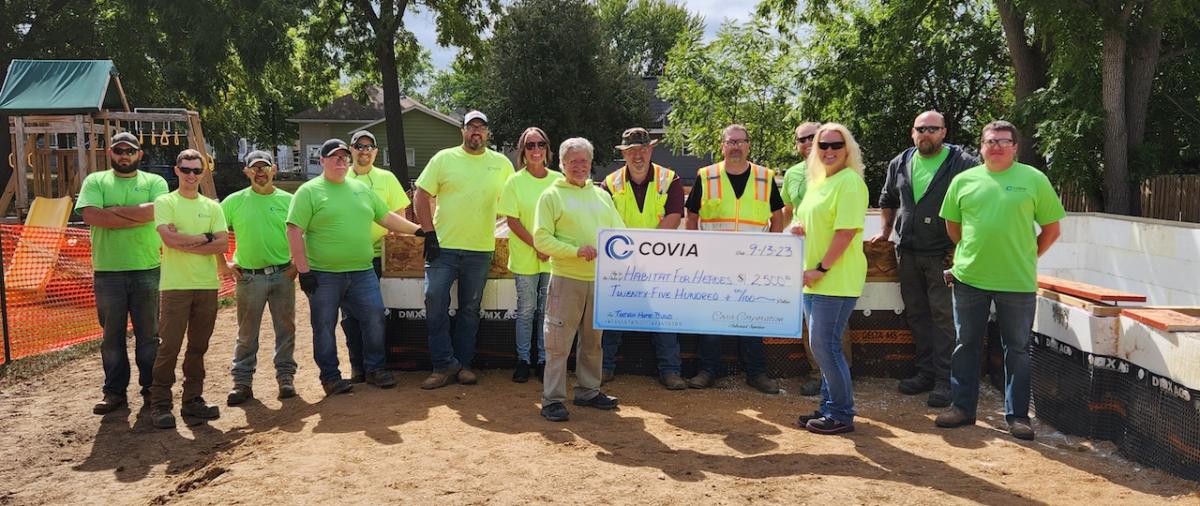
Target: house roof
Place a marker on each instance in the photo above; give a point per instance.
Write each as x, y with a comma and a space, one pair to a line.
658, 107
346, 109
60, 87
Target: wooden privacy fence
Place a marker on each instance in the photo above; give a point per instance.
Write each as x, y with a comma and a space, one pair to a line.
1174, 197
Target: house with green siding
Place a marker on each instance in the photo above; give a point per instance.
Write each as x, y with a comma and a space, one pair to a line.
426, 131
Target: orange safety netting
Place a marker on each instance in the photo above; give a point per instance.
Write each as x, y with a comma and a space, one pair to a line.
48, 284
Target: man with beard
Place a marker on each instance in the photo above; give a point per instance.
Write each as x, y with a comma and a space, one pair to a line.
262, 266
195, 238
646, 195
916, 185
118, 205
459, 243
735, 196
384, 184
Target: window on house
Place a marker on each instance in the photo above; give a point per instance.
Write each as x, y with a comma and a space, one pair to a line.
411, 154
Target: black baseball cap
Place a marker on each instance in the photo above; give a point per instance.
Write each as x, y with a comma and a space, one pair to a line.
259, 156
332, 146
124, 138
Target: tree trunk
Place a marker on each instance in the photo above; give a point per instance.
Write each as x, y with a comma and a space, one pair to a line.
392, 109
1144, 55
1029, 71
1116, 135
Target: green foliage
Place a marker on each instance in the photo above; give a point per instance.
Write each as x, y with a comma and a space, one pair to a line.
457, 89
744, 76
641, 32
564, 81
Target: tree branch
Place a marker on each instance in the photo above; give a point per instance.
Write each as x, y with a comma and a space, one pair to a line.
368, 11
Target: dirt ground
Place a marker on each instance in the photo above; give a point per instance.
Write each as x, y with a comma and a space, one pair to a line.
487, 444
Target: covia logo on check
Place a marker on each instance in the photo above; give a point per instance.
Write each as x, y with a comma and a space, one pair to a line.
618, 247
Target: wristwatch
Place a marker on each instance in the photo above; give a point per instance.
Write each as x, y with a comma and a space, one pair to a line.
208, 237
821, 268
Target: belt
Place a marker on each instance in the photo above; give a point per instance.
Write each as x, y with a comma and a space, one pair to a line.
270, 269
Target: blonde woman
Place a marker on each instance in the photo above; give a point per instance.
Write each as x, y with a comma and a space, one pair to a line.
831, 217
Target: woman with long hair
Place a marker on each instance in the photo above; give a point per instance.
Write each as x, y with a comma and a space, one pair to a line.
831, 218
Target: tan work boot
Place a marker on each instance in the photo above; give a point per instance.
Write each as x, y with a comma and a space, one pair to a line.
702, 379
439, 379
467, 377
673, 381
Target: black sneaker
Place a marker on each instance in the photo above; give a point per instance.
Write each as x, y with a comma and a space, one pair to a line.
287, 389
522, 372
918, 384
828, 426
381, 378
555, 412
239, 395
110, 403
600, 401
357, 376
161, 417
804, 419
939, 397
197, 408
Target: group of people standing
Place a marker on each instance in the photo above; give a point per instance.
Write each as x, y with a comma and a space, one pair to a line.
946, 208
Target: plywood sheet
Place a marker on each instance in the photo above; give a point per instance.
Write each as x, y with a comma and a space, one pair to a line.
1164, 319
1087, 291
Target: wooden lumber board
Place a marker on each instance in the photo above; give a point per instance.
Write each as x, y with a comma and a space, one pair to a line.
1093, 308
403, 257
1087, 291
1187, 310
1164, 319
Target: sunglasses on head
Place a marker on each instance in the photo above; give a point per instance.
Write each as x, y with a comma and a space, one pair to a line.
927, 129
195, 171
124, 151
364, 147
831, 145
806, 138
538, 144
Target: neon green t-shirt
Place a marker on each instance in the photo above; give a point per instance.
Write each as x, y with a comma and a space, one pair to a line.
260, 224
837, 203
467, 187
519, 199
569, 217
795, 182
384, 184
336, 219
182, 270
997, 210
122, 249
923, 170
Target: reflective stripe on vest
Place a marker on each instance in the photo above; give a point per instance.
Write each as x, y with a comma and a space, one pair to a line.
751, 212
654, 205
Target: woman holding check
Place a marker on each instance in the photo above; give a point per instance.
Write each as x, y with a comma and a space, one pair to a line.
835, 268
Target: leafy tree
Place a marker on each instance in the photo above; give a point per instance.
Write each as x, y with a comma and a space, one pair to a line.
564, 81
458, 89
744, 76
641, 32
369, 38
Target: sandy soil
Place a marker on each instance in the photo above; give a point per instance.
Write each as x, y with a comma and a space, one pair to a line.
487, 444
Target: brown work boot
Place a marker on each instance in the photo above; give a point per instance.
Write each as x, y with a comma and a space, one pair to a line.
467, 377
110, 403
702, 379
954, 417
673, 381
287, 389
1021, 429
440, 379
763, 383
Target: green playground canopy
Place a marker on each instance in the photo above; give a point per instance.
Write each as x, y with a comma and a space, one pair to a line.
60, 87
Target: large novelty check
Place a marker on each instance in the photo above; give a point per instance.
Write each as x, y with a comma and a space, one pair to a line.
741, 284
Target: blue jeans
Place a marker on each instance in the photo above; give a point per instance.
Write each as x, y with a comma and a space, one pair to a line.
470, 269
751, 354
350, 327
1014, 315
531, 314
356, 293
666, 350
254, 293
121, 297
827, 319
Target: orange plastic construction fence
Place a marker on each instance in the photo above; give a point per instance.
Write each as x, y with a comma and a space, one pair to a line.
48, 283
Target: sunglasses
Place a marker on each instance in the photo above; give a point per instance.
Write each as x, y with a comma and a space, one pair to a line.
927, 129
534, 145
831, 145
806, 138
195, 171
259, 168
124, 151
364, 147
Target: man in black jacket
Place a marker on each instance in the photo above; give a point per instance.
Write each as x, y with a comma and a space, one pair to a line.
916, 185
